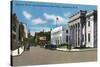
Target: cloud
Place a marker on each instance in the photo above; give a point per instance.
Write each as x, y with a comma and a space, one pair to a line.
49, 17
67, 14
27, 15
38, 21
60, 20
39, 28
32, 33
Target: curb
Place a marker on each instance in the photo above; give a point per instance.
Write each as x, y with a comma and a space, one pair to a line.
76, 50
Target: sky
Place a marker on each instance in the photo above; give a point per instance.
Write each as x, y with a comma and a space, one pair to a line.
40, 16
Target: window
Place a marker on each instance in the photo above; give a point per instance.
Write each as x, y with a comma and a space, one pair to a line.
66, 38
78, 25
66, 31
88, 37
88, 18
88, 23
56, 42
83, 38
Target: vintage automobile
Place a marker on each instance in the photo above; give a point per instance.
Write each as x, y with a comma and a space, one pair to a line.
50, 46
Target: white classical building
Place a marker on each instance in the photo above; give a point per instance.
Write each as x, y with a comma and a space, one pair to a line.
83, 29
91, 29
59, 35
77, 29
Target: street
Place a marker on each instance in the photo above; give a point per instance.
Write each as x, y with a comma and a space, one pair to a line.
38, 56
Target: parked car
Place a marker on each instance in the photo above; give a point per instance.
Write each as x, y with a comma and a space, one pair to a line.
50, 46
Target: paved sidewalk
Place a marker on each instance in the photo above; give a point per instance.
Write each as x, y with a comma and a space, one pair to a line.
15, 52
75, 50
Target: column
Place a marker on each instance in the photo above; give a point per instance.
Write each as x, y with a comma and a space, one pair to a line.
77, 34
70, 35
74, 34
80, 34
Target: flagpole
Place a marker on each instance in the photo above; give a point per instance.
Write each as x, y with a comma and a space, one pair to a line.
56, 26
56, 21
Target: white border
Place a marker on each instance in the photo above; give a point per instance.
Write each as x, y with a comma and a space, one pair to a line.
5, 33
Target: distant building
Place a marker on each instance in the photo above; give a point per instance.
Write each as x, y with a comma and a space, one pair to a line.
60, 35
26, 31
17, 35
21, 32
83, 29
14, 23
42, 38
